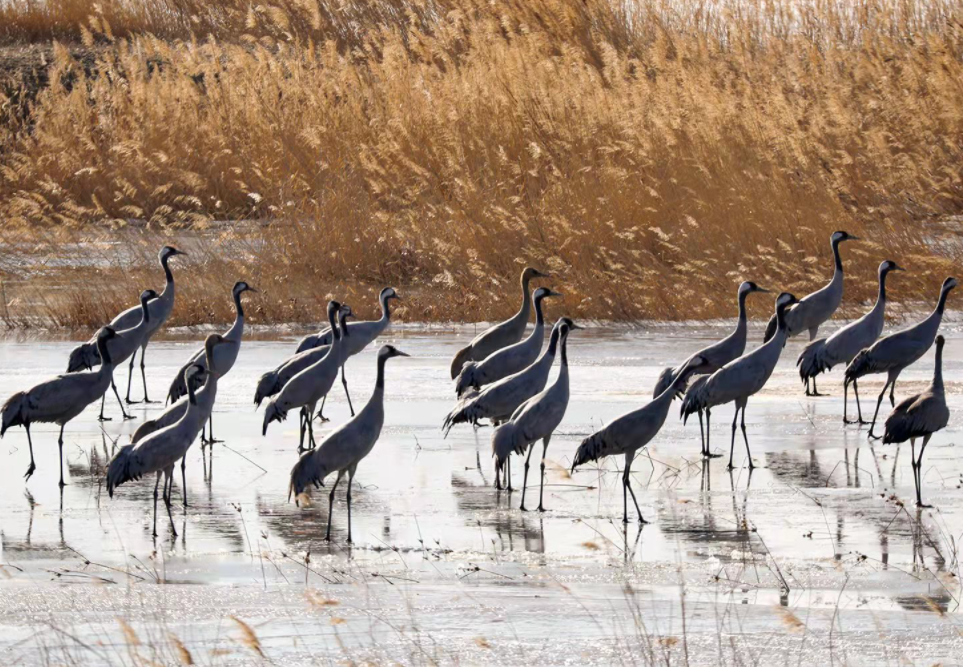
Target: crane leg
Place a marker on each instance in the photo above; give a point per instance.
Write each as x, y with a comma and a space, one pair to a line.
184, 479
327, 535
508, 474
732, 444
541, 485
123, 410
321, 416
702, 435
859, 410
168, 492
742, 425
627, 486
879, 402
350, 484
311, 441
210, 431
919, 473
156, 486
33, 466
143, 374
525, 477
102, 418
845, 402
130, 376
892, 399
498, 478
345, 383
60, 445
302, 427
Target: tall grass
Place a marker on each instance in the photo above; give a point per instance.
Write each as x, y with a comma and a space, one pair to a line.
650, 154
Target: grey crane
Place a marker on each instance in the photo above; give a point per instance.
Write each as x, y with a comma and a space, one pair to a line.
840, 348
632, 431
498, 401
205, 396
892, 353
85, 356
343, 449
362, 333
740, 379
535, 419
160, 451
814, 309
508, 360
60, 399
226, 352
309, 386
501, 335
716, 355
125, 345
920, 416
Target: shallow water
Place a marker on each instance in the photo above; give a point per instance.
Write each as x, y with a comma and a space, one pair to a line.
818, 553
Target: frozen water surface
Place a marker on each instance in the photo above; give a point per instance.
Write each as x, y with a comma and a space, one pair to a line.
819, 555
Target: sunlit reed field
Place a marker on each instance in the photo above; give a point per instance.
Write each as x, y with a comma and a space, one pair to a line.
649, 154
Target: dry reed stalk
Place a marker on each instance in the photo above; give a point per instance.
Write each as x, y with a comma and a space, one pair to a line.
651, 154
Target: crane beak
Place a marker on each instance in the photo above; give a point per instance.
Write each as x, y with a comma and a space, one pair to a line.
539, 274
763, 290
399, 353
575, 326
853, 238
554, 293
252, 290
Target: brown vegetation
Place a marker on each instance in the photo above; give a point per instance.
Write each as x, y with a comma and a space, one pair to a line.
650, 154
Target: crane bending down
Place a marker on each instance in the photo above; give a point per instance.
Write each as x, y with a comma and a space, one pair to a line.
159, 451
892, 353
124, 345
272, 382
535, 419
741, 378
814, 309
501, 335
633, 431
716, 355
227, 352
920, 416
360, 336
205, 396
498, 401
86, 356
60, 399
840, 348
343, 449
309, 386
508, 360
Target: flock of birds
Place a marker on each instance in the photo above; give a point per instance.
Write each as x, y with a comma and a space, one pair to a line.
501, 376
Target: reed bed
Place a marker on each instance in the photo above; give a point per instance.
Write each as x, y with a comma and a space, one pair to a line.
649, 154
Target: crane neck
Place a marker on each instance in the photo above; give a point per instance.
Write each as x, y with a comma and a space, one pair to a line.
781, 325
238, 308
539, 320
742, 306
144, 311
106, 361
191, 394
526, 300
881, 297
380, 383
385, 309
938, 369
167, 269
838, 260
941, 304
565, 352
552, 343
333, 323
343, 327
